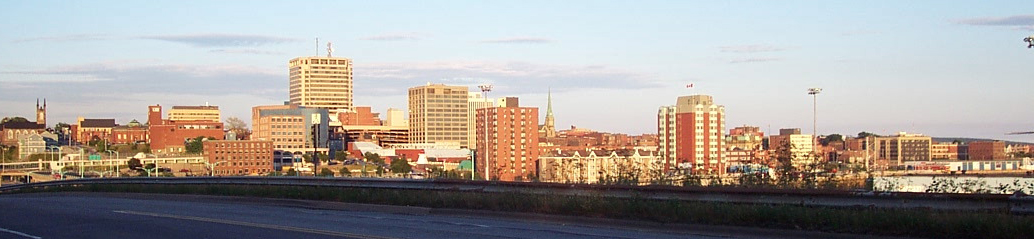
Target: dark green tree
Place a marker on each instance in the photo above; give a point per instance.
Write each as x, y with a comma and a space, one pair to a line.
326, 172
864, 134
401, 166
196, 145
345, 172
13, 120
134, 164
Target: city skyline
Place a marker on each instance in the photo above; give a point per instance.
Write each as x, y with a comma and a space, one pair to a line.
916, 66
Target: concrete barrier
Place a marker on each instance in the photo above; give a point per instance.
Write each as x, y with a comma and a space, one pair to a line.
1019, 204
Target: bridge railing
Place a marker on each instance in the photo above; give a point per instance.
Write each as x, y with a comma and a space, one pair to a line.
1020, 204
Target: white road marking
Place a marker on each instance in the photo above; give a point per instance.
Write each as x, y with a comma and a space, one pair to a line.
19, 233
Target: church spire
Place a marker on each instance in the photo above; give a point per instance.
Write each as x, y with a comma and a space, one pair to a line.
549, 103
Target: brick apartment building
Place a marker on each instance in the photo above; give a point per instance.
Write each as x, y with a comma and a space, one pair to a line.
239, 157
511, 146
169, 136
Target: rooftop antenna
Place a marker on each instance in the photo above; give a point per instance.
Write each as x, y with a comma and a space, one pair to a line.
317, 46
330, 49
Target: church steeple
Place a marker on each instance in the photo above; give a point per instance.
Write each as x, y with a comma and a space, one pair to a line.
41, 112
549, 128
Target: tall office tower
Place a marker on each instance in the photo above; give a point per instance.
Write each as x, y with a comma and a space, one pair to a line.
509, 139
691, 135
322, 82
438, 114
475, 101
204, 113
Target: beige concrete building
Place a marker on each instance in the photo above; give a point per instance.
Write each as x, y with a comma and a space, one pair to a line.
801, 149
204, 113
439, 113
475, 101
289, 127
322, 82
902, 147
600, 166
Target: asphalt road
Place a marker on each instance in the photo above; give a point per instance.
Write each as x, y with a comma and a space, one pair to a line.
158, 216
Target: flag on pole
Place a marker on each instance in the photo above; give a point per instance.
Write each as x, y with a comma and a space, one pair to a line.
689, 86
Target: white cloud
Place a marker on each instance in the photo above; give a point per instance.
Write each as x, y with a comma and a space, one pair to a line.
518, 40
750, 48
1017, 20
221, 39
755, 60
66, 38
410, 36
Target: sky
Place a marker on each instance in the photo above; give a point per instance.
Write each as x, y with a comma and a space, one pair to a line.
958, 69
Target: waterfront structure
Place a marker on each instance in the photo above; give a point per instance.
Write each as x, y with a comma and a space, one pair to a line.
289, 127
690, 135
438, 113
170, 136
321, 82
195, 113
239, 157
509, 136
475, 101
987, 150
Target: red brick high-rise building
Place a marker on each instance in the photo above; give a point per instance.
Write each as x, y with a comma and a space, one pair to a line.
691, 134
511, 142
987, 150
239, 157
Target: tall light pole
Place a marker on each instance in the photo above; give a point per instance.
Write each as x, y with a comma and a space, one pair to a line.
814, 92
484, 92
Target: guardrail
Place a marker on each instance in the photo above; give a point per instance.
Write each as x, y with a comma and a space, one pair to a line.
1018, 204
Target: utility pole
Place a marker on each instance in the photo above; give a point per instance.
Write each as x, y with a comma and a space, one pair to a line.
484, 91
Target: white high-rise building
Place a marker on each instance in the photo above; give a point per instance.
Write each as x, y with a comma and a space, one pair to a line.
439, 114
322, 82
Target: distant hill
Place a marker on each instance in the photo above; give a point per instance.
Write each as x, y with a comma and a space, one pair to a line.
967, 140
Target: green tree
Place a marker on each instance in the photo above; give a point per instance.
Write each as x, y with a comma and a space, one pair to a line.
13, 120
864, 134
326, 172
345, 172
831, 138
341, 155
291, 172
134, 164
376, 160
401, 166
196, 145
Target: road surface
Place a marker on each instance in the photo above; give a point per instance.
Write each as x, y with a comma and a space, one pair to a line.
86, 215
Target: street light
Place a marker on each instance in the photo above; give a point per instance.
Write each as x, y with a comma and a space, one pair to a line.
814, 92
116, 157
211, 167
484, 91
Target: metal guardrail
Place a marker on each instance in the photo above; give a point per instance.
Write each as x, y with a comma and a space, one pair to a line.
1018, 204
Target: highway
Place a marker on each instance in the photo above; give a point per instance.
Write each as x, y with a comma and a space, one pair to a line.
85, 215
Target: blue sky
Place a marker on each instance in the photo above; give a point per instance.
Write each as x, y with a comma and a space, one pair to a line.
930, 67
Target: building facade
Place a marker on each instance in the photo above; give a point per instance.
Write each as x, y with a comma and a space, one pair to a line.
439, 114
944, 151
195, 113
93, 129
987, 150
509, 139
896, 150
239, 157
170, 136
31, 144
690, 134
321, 82
475, 101
134, 132
289, 127
629, 167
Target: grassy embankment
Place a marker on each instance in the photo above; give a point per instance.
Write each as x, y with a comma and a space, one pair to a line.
889, 222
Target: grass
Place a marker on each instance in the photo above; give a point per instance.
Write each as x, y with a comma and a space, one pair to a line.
885, 222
